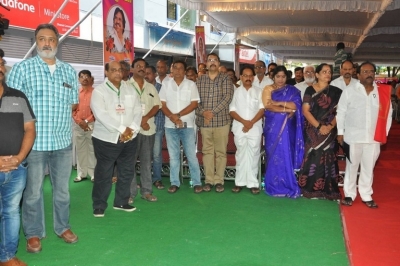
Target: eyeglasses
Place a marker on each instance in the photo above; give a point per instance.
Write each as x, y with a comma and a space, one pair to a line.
247, 76
84, 76
309, 72
3, 63
212, 60
259, 67
114, 70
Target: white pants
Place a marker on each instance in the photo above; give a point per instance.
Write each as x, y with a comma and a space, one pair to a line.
86, 161
366, 154
247, 157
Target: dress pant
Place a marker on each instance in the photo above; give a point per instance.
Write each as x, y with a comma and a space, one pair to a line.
215, 141
144, 151
365, 154
86, 160
107, 154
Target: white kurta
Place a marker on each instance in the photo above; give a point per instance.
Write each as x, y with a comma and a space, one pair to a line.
247, 103
356, 118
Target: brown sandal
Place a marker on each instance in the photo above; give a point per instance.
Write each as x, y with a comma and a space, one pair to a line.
173, 189
149, 197
255, 190
370, 204
236, 189
158, 184
198, 189
219, 188
207, 187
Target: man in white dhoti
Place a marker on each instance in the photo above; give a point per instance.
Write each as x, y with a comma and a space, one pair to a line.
360, 118
247, 110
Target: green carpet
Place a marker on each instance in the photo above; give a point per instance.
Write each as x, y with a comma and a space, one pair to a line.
195, 229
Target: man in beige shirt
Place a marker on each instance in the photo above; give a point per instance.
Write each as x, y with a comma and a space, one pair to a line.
150, 103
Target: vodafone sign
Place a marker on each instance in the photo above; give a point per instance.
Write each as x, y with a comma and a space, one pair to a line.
30, 13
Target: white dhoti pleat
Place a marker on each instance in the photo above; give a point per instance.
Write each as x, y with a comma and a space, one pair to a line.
247, 157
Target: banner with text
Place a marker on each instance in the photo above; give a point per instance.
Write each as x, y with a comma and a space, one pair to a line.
29, 14
201, 55
118, 30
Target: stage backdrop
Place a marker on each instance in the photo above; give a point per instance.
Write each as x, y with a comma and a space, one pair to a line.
29, 14
118, 30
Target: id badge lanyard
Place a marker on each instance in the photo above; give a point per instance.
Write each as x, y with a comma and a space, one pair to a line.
140, 93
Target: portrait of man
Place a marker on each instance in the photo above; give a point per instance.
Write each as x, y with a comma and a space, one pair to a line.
117, 39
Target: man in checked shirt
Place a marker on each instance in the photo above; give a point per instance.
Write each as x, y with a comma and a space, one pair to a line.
212, 116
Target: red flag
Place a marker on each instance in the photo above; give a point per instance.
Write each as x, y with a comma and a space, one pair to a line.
384, 105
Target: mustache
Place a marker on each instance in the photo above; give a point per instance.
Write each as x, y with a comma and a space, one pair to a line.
45, 48
1, 72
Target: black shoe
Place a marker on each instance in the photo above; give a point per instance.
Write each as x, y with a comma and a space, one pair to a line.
126, 208
98, 213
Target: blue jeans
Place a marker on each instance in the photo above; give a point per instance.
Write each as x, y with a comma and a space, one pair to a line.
59, 162
12, 185
157, 155
187, 137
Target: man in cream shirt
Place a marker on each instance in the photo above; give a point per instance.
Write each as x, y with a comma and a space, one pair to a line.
150, 103
118, 112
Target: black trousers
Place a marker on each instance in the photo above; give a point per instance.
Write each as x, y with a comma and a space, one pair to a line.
107, 154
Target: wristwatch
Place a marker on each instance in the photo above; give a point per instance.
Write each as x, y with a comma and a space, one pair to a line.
179, 115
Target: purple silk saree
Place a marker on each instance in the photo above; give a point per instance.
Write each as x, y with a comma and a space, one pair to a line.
284, 145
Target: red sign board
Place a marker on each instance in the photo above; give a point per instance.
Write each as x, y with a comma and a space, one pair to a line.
30, 13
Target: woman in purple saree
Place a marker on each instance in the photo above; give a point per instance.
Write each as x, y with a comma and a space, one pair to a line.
284, 144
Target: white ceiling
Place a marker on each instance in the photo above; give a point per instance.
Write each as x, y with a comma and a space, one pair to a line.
308, 30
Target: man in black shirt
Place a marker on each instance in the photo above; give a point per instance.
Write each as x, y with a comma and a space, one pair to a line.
17, 134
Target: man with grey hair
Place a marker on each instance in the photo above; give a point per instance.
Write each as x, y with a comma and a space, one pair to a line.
309, 80
51, 86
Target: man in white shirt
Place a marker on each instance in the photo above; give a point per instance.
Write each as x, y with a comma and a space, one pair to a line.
345, 81
150, 103
116, 107
309, 80
247, 110
260, 80
162, 68
179, 98
357, 116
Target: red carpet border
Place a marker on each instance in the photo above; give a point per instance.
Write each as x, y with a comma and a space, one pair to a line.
373, 235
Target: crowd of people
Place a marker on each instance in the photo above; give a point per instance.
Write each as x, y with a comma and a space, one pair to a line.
303, 121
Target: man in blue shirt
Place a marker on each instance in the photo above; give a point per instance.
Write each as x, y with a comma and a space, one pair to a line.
51, 86
17, 134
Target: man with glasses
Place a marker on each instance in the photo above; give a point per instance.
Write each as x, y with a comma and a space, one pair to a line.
247, 110
346, 80
212, 116
17, 134
309, 80
82, 128
363, 121
116, 107
260, 79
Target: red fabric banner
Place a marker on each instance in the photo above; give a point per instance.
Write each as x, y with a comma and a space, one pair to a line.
384, 105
